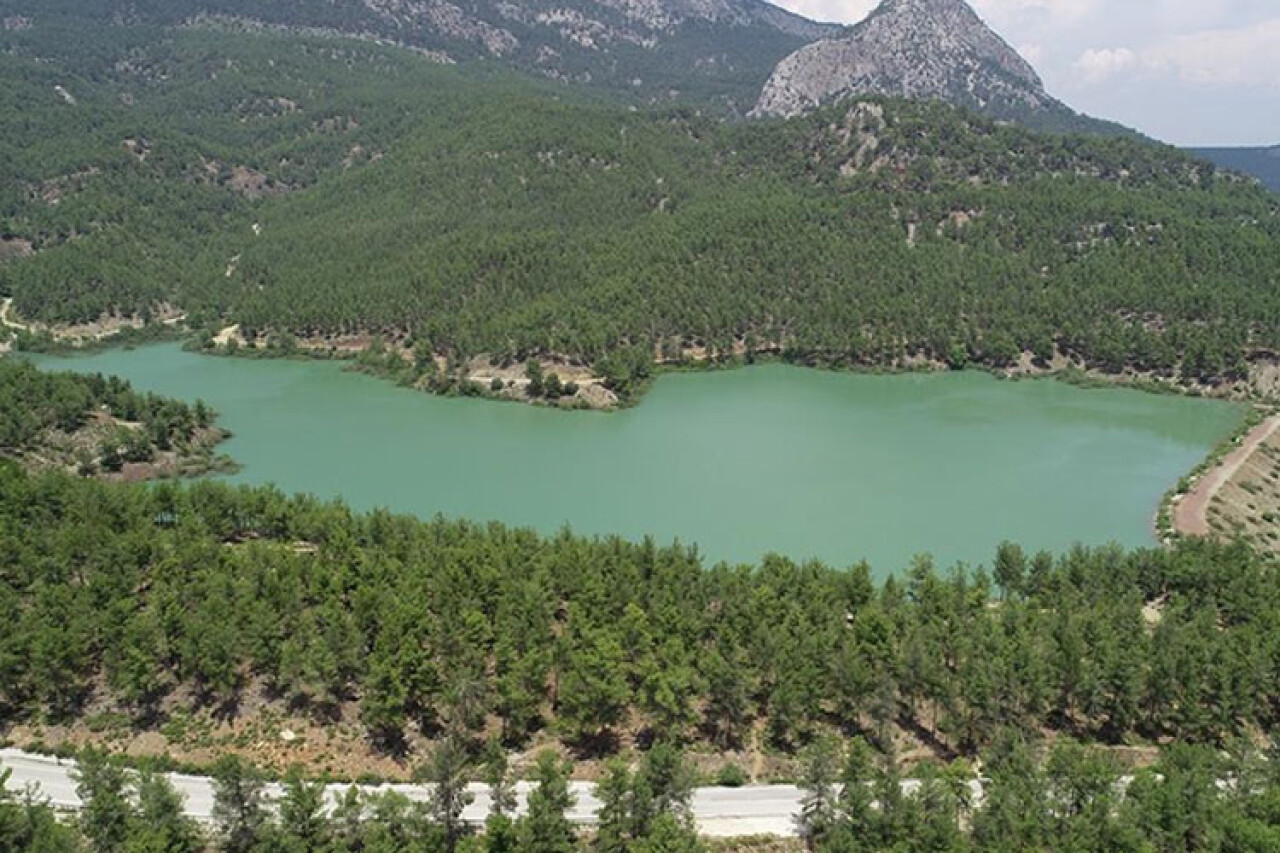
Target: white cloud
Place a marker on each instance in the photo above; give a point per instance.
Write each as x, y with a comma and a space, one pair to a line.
1243, 57
852, 11
839, 11
1247, 56
1096, 65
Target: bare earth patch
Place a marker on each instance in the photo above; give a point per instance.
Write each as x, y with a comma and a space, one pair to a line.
227, 335
275, 735
591, 391
103, 327
1261, 385
515, 382
14, 247
242, 180
1264, 379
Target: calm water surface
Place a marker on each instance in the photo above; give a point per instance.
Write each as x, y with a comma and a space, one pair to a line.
806, 463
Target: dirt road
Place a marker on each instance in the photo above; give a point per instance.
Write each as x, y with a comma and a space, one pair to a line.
1191, 515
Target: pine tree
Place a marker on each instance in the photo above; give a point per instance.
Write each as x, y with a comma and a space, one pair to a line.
447, 772
161, 825
546, 827
613, 820
105, 813
302, 819
818, 807
497, 775
239, 810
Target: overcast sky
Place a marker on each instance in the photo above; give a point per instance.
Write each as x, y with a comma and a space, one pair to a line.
1190, 72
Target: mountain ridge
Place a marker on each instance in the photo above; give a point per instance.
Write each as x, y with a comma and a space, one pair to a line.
716, 51
1259, 161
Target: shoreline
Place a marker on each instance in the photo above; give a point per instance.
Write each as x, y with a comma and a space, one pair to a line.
1190, 510
1261, 387
1182, 511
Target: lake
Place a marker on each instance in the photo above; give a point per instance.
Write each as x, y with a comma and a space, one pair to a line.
806, 463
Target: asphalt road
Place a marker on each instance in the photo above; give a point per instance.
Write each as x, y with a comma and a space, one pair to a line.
725, 812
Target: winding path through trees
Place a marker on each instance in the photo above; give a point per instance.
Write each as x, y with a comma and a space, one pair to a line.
5, 307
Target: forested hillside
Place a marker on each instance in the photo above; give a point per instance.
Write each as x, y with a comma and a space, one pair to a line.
96, 424
139, 164
312, 186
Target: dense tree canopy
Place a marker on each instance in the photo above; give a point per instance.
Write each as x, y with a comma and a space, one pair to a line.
134, 592
33, 402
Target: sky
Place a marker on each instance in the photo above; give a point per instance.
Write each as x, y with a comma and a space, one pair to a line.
1189, 72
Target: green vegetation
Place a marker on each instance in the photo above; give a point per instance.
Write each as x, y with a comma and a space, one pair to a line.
1072, 798
93, 423
458, 213
206, 588
306, 186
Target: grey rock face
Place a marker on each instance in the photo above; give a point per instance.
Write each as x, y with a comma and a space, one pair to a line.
446, 19
910, 48
716, 53
586, 23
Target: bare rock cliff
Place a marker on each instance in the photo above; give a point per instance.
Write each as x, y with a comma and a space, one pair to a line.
936, 49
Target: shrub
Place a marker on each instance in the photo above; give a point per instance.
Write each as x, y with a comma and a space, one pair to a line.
731, 776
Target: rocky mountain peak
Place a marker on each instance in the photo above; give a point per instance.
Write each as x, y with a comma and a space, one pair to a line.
910, 48
954, 24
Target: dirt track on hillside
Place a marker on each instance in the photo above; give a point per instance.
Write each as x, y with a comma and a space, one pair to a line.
1191, 515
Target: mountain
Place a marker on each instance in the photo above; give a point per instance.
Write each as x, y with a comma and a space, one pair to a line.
718, 51
1261, 163
936, 49
320, 191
